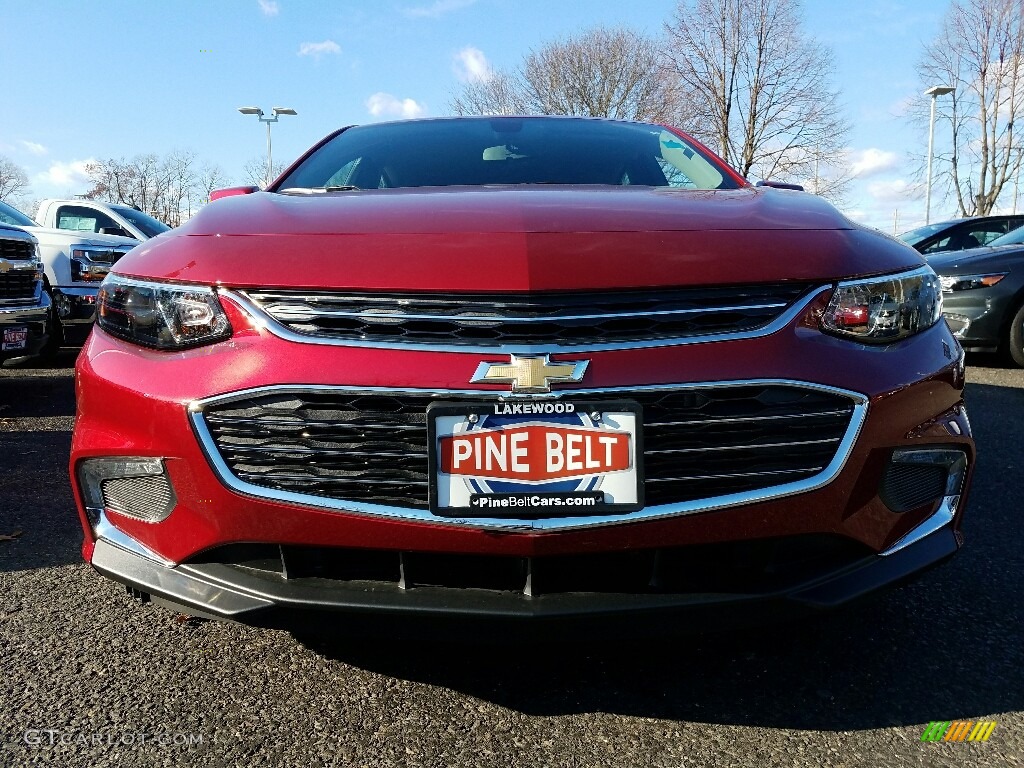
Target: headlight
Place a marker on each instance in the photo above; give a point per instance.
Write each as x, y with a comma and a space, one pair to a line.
955, 283
161, 315
880, 310
37, 262
91, 265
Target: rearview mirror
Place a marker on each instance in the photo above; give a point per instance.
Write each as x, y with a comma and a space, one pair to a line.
779, 185
116, 231
217, 194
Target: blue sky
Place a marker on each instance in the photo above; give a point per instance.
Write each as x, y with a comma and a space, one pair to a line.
116, 78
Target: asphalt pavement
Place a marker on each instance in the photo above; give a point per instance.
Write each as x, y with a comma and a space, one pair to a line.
90, 678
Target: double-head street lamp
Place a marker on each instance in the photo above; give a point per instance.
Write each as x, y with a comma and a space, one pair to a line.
935, 91
277, 112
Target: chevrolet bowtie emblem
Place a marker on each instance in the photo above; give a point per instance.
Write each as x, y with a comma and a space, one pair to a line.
530, 373
5, 266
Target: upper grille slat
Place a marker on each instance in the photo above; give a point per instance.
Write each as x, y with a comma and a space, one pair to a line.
16, 249
699, 443
558, 319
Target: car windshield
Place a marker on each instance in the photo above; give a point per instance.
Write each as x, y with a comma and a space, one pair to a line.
149, 226
14, 217
915, 236
503, 151
1013, 237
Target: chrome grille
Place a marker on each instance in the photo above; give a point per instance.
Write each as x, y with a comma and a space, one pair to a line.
562, 319
371, 447
18, 284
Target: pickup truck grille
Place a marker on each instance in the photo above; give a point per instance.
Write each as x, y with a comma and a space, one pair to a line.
372, 447
562, 319
16, 250
18, 285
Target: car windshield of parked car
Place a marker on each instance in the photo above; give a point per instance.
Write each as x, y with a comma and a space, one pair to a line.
1013, 237
505, 151
149, 226
915, 236
14, 217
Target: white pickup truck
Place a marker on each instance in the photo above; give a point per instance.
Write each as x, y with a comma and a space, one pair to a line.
74, 265
99, 218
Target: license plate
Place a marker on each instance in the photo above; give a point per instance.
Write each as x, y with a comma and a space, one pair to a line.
528, 459
15, 338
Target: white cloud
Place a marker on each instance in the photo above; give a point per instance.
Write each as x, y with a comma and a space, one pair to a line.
385, 105
872, 161
34, 147
316, 50
438, 8
269, 7
66, 174
471, 66
893, 191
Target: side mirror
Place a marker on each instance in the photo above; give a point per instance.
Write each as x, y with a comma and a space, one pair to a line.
217, 194
779, 185
117, 231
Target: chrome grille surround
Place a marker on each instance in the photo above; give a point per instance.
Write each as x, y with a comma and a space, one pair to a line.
549, 321
198, 414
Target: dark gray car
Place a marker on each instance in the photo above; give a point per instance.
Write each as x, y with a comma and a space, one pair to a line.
960, 234
983, 295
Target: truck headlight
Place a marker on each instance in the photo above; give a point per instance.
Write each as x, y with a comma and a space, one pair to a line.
161, 315
880, 310
91, 265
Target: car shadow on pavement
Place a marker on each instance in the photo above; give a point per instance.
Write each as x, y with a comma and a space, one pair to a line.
947, 646
38, 523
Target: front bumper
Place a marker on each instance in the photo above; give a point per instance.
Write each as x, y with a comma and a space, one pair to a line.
977, 318
136, 403
33, 318
76, 308
238, 594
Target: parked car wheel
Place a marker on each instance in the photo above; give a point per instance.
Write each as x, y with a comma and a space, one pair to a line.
1015, 338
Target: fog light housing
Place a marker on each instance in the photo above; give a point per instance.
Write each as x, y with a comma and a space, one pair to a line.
134, 487
916, 477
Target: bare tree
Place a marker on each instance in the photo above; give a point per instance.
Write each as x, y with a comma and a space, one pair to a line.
13, 179
603, 72
499, 93
980, 52
166, 187
256, 171
212, 177
762, 87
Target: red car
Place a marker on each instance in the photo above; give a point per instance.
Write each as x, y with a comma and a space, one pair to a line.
518, 370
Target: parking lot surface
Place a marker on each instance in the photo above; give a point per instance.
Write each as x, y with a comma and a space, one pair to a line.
91, 678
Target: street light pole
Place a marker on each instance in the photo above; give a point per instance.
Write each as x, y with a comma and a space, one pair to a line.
277, 112
1016, 182
935, 91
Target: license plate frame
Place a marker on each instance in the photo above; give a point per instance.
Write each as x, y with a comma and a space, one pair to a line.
14, 338
621, 490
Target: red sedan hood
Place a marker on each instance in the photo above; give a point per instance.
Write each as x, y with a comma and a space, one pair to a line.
516, 239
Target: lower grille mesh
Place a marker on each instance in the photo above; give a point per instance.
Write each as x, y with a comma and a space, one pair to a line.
754, 566
372, 448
